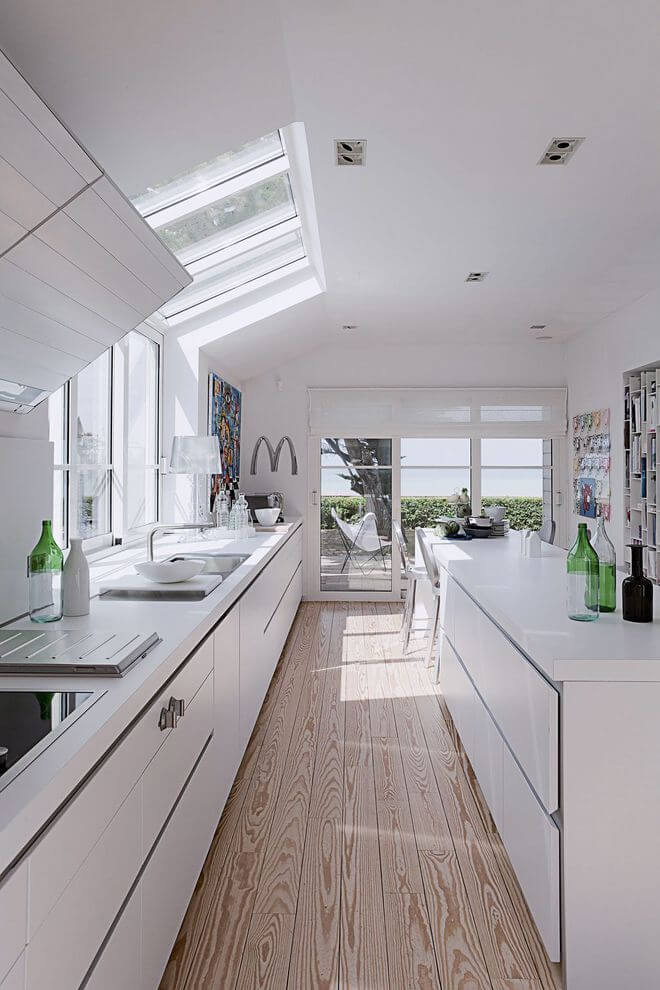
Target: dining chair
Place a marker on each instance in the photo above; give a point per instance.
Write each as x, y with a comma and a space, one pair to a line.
433, 574
413, 575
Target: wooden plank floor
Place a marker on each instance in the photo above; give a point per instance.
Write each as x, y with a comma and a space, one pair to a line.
355, 851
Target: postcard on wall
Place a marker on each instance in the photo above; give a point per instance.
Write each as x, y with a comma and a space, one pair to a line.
225, 423
591, 463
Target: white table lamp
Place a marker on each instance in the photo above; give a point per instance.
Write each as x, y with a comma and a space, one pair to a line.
200, 457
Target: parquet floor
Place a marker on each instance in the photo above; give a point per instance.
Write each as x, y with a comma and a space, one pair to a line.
355, 852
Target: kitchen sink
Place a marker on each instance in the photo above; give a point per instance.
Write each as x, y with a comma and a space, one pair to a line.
216, 563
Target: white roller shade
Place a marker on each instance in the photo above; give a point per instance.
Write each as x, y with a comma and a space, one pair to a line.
420, 412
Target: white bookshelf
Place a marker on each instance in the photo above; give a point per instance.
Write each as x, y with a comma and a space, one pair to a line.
641, 390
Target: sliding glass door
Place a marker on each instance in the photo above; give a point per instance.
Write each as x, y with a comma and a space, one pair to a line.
355, 508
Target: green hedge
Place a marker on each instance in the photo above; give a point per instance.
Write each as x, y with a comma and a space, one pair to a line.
422, 510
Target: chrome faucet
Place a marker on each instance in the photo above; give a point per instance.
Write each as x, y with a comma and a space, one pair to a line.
172, 528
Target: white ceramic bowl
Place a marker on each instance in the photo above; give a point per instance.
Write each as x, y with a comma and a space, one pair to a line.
267, 517
169, 571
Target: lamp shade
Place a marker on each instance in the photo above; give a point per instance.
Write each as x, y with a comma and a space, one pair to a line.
195, 455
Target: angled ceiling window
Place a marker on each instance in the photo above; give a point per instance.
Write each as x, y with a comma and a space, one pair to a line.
231, 221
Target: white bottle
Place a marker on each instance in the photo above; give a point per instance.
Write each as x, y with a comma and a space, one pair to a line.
75, 581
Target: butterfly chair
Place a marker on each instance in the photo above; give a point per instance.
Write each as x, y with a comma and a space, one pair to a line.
361, 538
413, 575
433, 574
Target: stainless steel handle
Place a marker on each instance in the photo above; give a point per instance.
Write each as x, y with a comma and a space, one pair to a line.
167, 719
178, 706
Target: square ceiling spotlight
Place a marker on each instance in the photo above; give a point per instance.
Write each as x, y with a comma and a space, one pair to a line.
560, 150
350, 151
476, 276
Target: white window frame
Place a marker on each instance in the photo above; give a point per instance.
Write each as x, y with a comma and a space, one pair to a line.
119, 535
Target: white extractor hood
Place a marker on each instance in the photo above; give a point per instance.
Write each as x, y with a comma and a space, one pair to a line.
79, 267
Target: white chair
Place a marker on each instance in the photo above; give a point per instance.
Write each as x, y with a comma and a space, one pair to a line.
413, 575
547, 531
361, 537
433, 574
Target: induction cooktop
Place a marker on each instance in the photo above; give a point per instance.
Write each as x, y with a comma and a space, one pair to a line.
71, 651
31, 720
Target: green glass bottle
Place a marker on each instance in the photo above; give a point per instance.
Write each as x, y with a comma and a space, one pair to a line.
583, 578
606, 567
45, 565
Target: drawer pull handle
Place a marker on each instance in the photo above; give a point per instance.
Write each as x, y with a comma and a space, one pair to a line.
178, 706
167, 719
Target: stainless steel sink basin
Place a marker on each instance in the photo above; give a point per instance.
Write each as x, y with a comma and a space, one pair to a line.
216, 563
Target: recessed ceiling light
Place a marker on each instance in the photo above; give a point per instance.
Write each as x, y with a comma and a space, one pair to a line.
538, 326
560, 150
350, 151
349, 326
544, 336
476, 276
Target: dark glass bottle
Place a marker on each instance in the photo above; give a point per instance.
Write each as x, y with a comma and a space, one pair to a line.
637, 590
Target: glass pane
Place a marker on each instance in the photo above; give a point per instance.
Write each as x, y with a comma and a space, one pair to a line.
512, 483
356, 452
57, 425
60, 495
208, 174
435, 483
445, 451
230, 219
142, 426
237, 271
356, 517
91, 441
511, 453
91, 504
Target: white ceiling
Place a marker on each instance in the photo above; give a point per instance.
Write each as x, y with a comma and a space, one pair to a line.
457, 102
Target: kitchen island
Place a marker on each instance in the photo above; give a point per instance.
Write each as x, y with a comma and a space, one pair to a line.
561, 722
103, 834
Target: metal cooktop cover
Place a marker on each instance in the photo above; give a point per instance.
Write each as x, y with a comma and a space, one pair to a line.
71, 651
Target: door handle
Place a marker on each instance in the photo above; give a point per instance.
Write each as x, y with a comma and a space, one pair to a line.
167, 719
178, 706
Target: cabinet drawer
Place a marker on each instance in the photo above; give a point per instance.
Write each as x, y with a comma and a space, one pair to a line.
171, 874
13, 917
459, 693
267, 589
531, 839
62, 950
166, 774
278, 628
75, 831
524, 705
15, 978
118, 966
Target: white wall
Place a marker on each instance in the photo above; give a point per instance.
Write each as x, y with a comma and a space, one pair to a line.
34, 425
595, 363
275, 411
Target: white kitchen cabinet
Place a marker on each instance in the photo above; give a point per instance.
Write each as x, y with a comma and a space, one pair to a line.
62, 950
119, 965
258, 609
13, 917
459, 694
226, 695
171, 874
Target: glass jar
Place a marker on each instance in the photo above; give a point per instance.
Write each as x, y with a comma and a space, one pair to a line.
637, 590
606, 568
583, 578
44, 569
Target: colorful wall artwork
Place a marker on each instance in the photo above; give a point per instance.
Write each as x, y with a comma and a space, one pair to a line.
225, 423
591, 463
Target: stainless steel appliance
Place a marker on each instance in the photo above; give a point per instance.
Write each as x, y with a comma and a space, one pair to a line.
266, 502
71, 651
31, 720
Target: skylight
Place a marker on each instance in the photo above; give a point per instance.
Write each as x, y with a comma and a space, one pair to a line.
231, 221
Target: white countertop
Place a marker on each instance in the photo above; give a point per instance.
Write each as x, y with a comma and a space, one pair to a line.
526, 597
30, 800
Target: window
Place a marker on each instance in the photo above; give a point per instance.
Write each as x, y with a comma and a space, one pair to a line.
231, 221
432, 470
513, 473
104, 425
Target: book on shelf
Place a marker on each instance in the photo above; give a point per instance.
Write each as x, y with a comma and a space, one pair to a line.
643, 472
652, 452
636, 455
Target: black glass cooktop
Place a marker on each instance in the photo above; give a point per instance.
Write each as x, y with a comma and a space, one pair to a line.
30, 721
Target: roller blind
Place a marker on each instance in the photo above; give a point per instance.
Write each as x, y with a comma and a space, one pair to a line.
419, 412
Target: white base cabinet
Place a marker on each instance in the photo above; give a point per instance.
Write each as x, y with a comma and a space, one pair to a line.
109, 881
